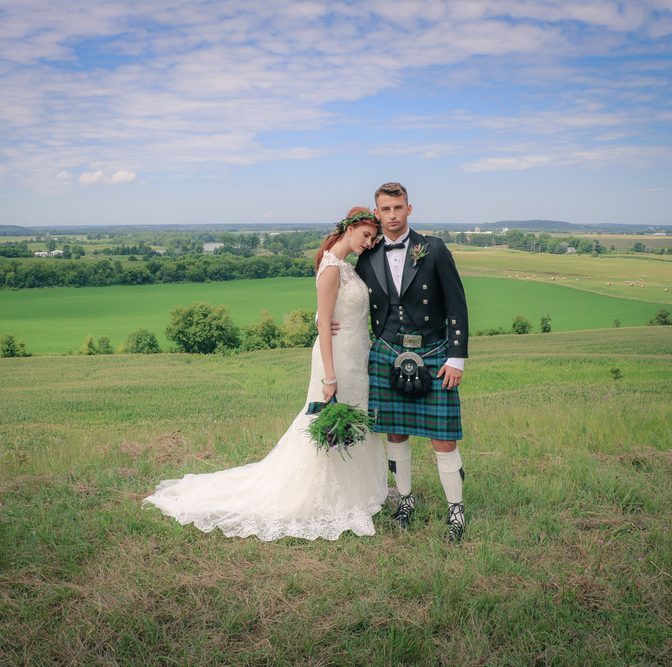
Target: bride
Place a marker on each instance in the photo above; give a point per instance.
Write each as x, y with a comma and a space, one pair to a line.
296, 491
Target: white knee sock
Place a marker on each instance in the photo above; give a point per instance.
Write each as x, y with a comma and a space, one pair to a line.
399, 455
449, 464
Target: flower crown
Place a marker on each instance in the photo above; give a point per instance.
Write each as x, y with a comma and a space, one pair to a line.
342, 225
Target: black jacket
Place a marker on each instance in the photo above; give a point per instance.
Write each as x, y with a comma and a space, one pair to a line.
431, 292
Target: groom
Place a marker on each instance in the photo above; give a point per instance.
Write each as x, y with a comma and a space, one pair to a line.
417, 305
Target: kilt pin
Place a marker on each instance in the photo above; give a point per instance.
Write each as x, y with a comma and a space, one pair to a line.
431, 304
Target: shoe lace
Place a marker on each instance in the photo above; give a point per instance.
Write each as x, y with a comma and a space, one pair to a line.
456, 519
405, 507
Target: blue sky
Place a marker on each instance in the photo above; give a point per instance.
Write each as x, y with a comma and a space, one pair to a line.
213, 112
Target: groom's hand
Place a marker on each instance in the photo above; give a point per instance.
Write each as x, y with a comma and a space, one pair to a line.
335, 326
451, 377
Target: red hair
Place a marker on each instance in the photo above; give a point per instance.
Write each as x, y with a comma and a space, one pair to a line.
335, 235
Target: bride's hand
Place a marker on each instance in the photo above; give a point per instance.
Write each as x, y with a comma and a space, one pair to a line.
329, 391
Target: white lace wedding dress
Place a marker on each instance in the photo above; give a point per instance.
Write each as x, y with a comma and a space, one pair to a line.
296, 491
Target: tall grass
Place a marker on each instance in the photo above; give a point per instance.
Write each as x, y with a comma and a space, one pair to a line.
567, 559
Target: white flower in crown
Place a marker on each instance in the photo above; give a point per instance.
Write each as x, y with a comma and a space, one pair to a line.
418, 251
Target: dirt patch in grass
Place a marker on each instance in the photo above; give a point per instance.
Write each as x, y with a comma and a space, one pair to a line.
171, 447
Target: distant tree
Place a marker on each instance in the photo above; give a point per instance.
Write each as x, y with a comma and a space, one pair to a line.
638, 247
585, 247
141, 341
598, 248
203, 329
10, 347
89, 346
263, 335
617, 322
521, 325
299, 329
104, 346
15, 250
545, 324
662, 317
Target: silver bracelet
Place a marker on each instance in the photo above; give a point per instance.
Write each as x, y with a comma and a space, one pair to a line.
329, 381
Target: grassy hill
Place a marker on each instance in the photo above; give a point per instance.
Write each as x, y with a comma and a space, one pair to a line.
567, 557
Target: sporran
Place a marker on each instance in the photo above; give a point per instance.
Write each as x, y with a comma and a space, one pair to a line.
410, 377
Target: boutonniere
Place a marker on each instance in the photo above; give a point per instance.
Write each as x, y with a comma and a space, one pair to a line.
418, 251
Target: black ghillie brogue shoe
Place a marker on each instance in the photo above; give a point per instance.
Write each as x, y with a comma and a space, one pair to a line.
405, 509
456, 522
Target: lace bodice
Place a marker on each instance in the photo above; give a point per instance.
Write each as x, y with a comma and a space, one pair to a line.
352, 302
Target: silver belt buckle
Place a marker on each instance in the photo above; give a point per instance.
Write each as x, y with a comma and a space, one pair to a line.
412, 340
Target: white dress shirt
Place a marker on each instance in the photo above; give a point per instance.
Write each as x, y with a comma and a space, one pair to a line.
396, 259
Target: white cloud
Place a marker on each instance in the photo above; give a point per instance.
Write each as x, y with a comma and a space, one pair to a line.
632, 156
91, 177
431, 151
507, 164
122, 176
119, 177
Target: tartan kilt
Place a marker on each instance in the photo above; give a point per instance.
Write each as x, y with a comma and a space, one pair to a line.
435, 415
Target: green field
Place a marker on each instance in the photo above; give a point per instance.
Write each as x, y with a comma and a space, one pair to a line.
56, 320
579, 292
637, 276
567, 559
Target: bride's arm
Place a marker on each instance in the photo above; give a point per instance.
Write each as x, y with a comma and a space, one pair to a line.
327, 290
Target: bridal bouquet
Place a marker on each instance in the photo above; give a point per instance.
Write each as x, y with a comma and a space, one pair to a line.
338, 426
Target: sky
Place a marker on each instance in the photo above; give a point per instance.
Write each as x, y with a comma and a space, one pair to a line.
205, 111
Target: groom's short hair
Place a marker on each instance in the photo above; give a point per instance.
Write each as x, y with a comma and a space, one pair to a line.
393, 190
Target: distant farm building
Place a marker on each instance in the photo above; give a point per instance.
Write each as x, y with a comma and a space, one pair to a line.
211, 247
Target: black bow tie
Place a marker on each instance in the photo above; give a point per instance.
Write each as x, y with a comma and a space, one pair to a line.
395, 246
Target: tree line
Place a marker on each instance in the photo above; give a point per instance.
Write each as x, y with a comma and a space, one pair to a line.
157, 269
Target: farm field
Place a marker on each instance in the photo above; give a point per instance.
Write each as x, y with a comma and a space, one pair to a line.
567, 558
56, 320
636, 276
626, 241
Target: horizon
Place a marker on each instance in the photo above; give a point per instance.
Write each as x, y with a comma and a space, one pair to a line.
283, 113
491, 226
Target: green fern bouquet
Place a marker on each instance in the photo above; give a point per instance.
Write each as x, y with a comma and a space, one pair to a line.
339, 426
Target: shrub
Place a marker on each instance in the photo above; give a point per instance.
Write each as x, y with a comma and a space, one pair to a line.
104, 345
521, 325
203, 329
10, 347
299, 329
141, 342
264, 335
89, 346
491, 332
662, 317
545, 324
